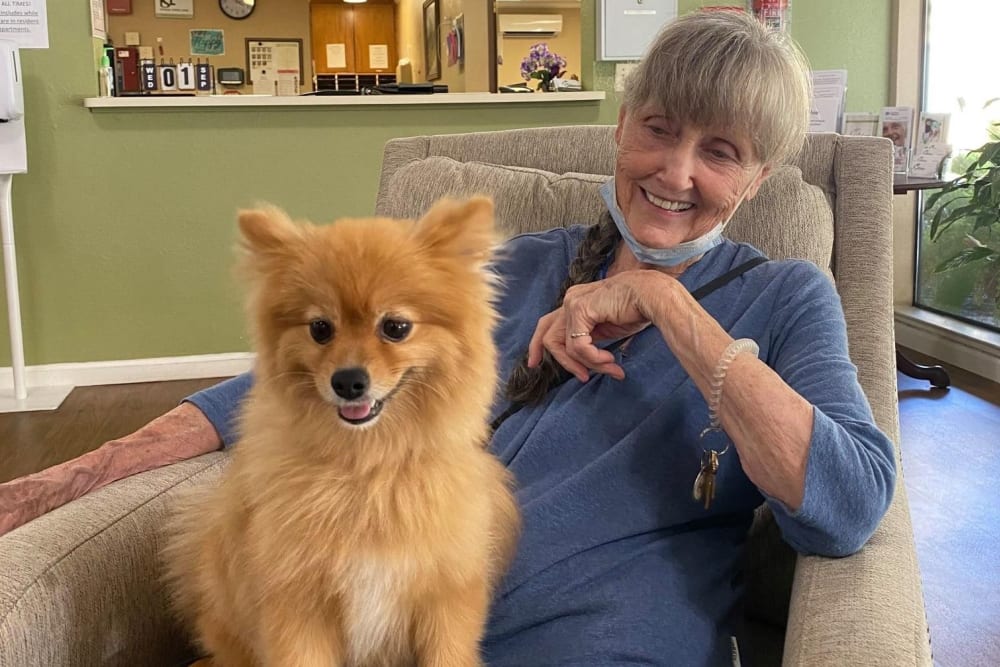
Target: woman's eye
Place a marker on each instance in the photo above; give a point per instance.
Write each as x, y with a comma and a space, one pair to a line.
321, 331
396, 330
721, 154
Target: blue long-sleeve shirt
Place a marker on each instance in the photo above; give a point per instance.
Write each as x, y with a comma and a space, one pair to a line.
617, 564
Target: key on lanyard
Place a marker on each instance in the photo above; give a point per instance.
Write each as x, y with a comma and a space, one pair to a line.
704, 483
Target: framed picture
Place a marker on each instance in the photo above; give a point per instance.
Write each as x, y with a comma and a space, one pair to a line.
432, 39
278, 60
861, 124
932, 129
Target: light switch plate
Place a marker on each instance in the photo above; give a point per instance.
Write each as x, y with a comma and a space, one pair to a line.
622, 70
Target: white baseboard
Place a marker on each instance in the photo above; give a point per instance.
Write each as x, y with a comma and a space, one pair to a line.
132, 370
971, 348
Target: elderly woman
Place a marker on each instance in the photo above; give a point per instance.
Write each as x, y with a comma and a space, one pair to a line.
659, 381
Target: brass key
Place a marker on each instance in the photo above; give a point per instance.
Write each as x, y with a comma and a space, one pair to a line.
704, 483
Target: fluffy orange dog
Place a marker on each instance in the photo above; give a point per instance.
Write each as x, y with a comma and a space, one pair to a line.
361, 521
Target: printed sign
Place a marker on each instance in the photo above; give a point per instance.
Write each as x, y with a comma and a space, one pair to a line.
24, 22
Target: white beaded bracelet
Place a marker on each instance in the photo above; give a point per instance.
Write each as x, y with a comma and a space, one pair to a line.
719, 378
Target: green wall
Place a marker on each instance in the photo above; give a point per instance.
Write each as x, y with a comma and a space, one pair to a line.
125, 220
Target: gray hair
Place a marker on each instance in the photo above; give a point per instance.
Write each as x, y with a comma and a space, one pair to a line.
723, 69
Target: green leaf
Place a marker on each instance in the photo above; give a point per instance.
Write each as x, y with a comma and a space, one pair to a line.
967, 256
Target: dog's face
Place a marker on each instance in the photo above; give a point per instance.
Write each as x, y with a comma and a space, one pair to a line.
370, 319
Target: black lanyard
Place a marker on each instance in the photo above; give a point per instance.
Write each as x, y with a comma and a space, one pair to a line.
698, 294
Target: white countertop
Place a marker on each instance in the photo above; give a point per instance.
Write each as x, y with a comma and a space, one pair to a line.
154, 101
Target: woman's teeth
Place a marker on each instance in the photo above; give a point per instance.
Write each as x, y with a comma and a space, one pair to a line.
666, 204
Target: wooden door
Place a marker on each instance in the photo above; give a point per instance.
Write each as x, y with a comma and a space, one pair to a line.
332, 24
375, 25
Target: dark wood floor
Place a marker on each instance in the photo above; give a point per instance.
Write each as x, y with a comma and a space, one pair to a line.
951, 459
89, 417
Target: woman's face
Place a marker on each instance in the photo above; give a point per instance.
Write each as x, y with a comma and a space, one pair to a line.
676, 182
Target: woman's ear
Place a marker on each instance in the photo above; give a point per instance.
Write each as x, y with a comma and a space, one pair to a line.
621, 124
758, 181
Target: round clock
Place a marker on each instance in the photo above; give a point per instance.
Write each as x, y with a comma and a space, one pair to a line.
237, 9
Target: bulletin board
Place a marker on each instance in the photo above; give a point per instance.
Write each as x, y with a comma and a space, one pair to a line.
280, 57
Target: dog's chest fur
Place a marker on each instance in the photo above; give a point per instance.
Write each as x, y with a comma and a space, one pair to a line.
375, 616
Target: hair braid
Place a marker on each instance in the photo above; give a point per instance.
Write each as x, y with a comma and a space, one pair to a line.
529, 385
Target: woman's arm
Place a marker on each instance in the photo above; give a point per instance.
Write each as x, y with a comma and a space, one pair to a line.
804, 431
201, 424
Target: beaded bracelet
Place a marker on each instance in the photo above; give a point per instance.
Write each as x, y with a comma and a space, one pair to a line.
719, 378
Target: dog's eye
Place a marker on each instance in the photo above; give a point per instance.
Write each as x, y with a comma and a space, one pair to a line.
396, 330
321, 331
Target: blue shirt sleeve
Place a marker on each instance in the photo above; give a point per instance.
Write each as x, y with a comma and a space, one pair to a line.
221, 404
851, 466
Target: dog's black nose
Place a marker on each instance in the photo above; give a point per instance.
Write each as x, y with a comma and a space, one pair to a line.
350, 383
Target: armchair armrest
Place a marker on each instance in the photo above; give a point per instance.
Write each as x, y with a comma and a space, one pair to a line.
81, 585
866, 609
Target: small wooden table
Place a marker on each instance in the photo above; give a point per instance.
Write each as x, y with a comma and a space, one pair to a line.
936, 375
901, 184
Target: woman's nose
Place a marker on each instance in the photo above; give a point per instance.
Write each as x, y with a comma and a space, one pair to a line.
677, 168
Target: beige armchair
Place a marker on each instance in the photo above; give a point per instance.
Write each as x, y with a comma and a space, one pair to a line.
79, 586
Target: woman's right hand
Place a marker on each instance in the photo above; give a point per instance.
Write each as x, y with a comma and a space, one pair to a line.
617, 307
180, 434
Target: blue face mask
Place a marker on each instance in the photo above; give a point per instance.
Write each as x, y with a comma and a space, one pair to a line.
668, 257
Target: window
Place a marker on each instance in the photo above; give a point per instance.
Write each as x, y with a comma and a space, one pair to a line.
960, 79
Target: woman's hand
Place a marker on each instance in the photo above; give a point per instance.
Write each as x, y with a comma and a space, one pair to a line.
617, 307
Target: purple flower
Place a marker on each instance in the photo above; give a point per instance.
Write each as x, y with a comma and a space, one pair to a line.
542, 64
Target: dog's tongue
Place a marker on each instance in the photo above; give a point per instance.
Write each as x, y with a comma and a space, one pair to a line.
354, 412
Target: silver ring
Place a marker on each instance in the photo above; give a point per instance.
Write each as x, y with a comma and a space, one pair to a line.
579, 334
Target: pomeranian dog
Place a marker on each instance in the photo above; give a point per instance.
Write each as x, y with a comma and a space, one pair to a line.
362, 520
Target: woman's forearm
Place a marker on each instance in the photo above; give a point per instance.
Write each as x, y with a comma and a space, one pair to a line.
180, 434
769, 423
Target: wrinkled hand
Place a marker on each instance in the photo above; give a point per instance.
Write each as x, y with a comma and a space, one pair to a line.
180, 434
605, 310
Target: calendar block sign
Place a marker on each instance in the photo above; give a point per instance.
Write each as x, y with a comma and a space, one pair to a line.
185, 76
203, 77
168, 77
148, 75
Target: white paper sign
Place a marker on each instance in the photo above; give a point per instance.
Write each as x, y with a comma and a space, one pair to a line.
263, 84
927, 160
826, 109
336, 56
24, 22
378, 56
175, 9
288, 84
286, 57
98, 20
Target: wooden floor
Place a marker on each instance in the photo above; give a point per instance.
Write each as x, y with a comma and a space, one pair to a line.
951, 462
89, 417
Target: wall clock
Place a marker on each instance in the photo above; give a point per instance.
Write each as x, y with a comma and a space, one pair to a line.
237, 9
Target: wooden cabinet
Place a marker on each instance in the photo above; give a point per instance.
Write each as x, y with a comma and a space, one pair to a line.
358, 31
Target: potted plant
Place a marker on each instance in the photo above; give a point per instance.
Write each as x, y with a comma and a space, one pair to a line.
543, 65
969, 206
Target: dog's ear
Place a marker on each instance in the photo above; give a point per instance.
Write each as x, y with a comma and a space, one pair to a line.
267, 231
462, 228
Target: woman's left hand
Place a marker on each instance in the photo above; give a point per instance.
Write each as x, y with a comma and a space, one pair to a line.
609, 309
